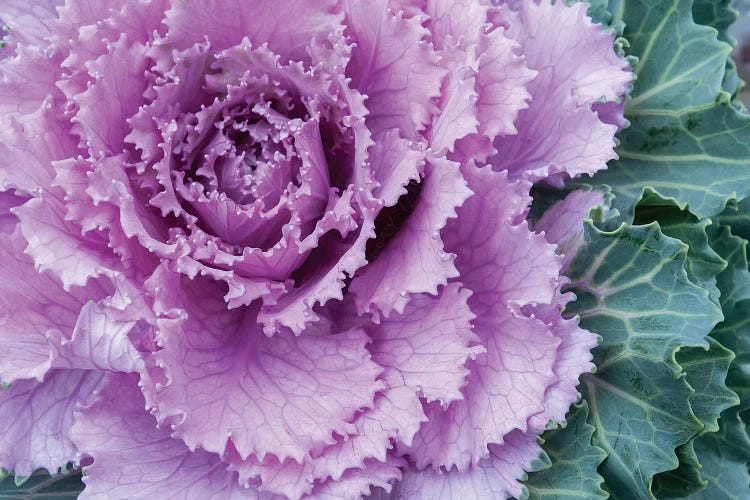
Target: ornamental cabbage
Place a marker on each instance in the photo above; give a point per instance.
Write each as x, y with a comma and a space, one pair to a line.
279, 249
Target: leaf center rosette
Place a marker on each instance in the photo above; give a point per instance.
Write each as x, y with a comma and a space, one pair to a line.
248, 170
309, 222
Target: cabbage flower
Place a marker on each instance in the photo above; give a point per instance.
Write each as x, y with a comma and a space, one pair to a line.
278, 249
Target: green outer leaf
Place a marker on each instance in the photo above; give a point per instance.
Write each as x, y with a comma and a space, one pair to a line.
632, 289
703, 263
717, 14
677, 58
685, 479
734, 331
737, 217
42, 486
685, 141
724, 456
574, 461
607, 13
720, 15
686, 147
699, 158
641, 413
706, 372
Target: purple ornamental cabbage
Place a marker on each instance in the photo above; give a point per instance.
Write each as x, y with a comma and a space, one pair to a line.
278, 249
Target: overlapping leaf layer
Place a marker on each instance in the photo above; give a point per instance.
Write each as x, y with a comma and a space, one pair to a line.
661, 274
